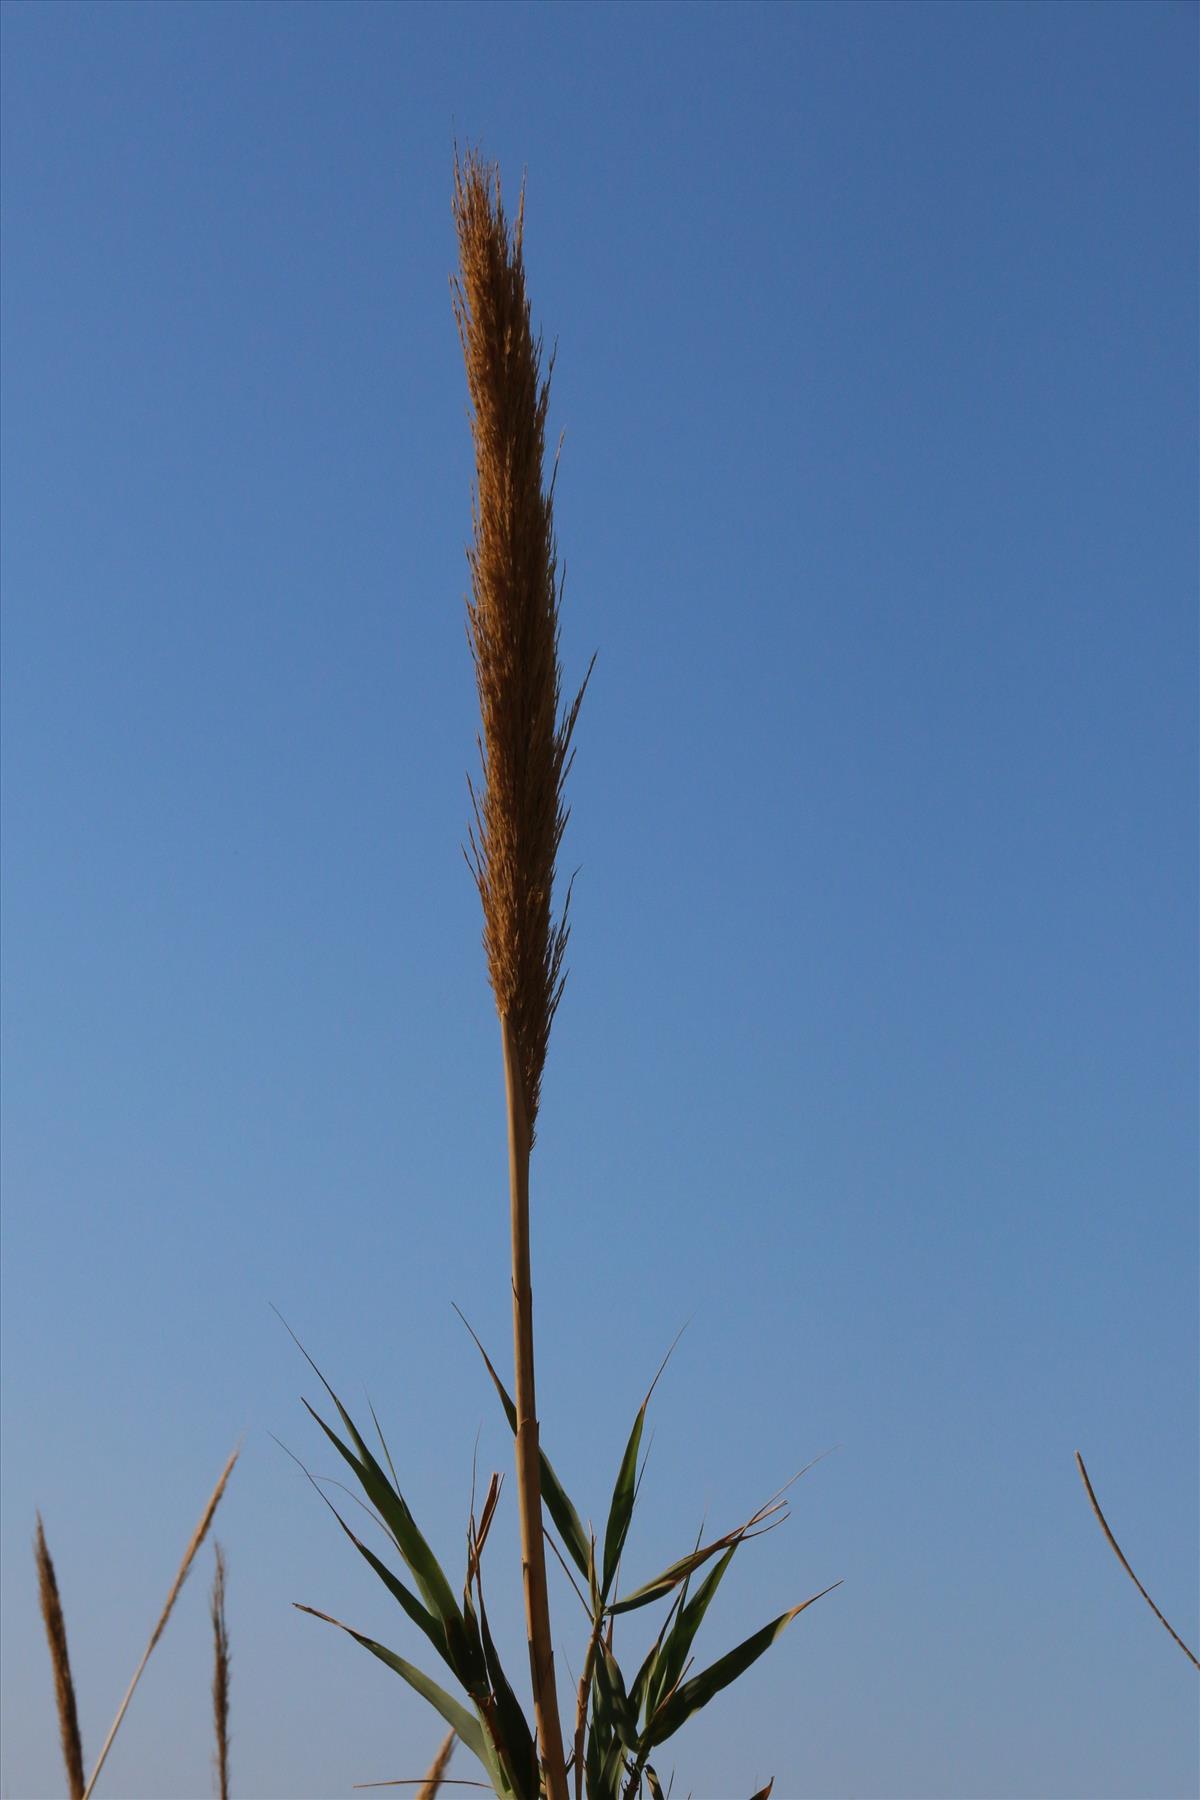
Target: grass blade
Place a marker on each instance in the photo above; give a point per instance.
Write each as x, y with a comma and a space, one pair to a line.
388, 1501
566, 1520
519, 1748
625, 1492
677, 1572
454, 1713
393, 1510
612, 1684
678, 1645
697, 1692
771, 1513
621, 1510
1120, 1556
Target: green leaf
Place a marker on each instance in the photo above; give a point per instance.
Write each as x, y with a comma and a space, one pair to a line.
407, 1599
620, 1710
597, 1744
520, 1749
644, 1679
566, 1520
656, 1792
393, 1510
613, 1727
389, 1502
614, 1766
677, 1648
383, 1444
396, 1588
647, 1688
466, 1725
671, 1577
621, 1510
625, 1491
697, 1692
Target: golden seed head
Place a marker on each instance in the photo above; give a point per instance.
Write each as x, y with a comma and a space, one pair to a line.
512, 619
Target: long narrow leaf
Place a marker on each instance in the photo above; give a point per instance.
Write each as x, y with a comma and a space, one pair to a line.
621, 1510
566, 1520
388, 1501
771, 1513
644, 1681
593, 1761
697, 1692
384, 1446
671, 1577
466, 1725
679, 1642
398, 1591
621, 1712
407, 1599
521, 1751
614, 1767
625, 1492
393, 1509
647, 1689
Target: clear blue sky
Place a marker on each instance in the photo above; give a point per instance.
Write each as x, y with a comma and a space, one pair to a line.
877, 346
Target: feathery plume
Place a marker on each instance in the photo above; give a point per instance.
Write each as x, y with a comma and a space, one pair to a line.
64, 1687
526, 750
513, 625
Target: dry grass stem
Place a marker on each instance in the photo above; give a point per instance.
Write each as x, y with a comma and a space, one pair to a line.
64, 1687
220, 1683
528, 1455
189, 1557
513, 625
581, 1703
1120, 1556
437, 1770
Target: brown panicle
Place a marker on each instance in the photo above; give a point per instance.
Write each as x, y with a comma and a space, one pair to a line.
512, 625
437, 1770
64, 1688
220, 1681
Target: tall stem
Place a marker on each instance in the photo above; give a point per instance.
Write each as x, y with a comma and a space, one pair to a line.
585, 1686
529, 1480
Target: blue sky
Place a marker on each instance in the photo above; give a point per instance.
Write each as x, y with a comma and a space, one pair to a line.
877, 335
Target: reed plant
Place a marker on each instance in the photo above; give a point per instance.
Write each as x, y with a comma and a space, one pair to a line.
622, 1714
56, 1637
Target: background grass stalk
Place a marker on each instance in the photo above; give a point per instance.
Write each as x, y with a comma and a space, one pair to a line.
64, 1687
441, 1762
1121, 1558
220, 1683
189, 1557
